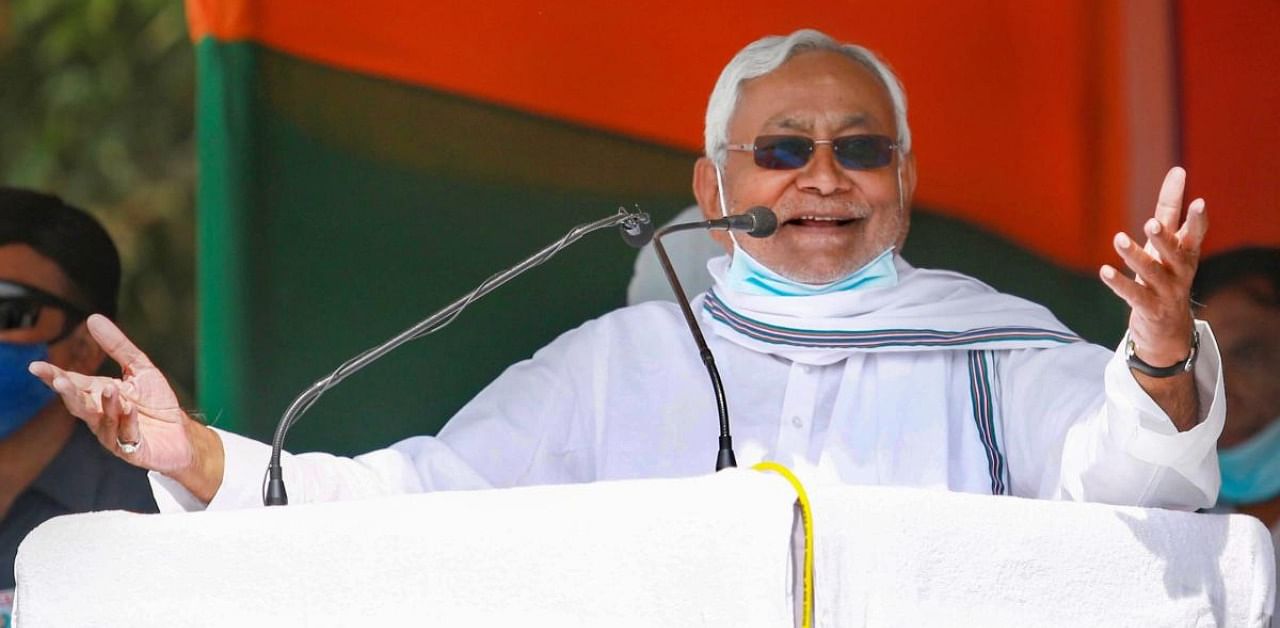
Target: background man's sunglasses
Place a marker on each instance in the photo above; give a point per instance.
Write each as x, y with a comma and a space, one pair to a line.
790, 152
21, 307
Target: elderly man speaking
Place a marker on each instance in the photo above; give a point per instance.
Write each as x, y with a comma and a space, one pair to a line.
840, 358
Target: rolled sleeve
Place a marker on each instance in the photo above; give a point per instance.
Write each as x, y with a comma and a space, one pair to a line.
244, 467
1147, 432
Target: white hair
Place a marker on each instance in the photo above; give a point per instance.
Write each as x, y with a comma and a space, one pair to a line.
764, 56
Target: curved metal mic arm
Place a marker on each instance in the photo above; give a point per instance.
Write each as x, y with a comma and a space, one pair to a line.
274, 493
757, 222
724, 457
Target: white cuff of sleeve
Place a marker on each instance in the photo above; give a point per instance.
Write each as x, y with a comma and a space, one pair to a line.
1147, 433
171, 496
244, 468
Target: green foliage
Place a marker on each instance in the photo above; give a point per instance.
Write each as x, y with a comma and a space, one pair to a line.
96, 105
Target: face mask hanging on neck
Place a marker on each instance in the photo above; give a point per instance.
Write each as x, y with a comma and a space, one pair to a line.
22, 394
749, 276
1251, 470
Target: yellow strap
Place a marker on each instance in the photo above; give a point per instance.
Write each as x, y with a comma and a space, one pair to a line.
806, 515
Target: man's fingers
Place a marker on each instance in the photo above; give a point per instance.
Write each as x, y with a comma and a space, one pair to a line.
1191, 235
81, 401
1133, 293
49, 373
1174, 259
45, 371
116, 344
63, 386
106, 430
85, 382
1169, 203
128, 428
112, 401
1147, 269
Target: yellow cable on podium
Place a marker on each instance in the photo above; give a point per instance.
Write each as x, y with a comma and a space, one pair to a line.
806, 515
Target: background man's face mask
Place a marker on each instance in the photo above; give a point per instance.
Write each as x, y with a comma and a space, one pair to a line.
30, 320
22, 395
1251, 470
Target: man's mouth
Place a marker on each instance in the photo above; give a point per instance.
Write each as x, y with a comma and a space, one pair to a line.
819, 221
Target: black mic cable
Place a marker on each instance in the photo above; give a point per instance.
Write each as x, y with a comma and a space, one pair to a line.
636, 229
757, 222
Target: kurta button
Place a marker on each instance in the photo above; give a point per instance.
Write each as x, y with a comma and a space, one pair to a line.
796, 421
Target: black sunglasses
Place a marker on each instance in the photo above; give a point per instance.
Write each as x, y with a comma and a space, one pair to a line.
21, 306
790, 152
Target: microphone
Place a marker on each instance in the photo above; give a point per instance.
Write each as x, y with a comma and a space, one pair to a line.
636, 229
633, 229
757, 222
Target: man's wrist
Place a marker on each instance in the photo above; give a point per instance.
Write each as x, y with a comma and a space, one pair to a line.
203, 476
1182, 365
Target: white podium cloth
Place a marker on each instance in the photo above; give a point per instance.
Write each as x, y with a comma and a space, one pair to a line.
709, 551
906, 557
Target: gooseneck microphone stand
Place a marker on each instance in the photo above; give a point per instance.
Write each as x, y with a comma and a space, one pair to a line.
636, 229
757, 222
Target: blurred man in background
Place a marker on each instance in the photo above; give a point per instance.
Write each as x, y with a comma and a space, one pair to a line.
1238, 293
57, 265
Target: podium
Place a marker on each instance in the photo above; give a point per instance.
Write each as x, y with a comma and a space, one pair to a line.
719, 550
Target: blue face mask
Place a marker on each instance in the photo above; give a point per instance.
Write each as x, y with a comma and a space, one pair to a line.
1251, 470
22, 394
749, 276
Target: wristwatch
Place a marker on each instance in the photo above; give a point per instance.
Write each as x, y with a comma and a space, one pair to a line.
1137, 364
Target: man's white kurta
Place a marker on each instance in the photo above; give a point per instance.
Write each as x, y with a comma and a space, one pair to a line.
626, 396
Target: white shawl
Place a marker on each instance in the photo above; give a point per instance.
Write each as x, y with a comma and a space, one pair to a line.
928, 310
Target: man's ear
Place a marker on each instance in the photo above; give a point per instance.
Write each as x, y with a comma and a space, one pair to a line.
708, 195
908, 179
908, 193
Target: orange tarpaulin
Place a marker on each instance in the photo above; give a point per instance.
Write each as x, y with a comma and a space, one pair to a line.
1026, 117
1231, 116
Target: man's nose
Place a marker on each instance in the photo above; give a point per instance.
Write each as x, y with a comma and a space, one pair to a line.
823, 174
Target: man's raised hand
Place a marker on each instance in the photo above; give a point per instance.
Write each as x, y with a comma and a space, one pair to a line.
137, 416
1159, 294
